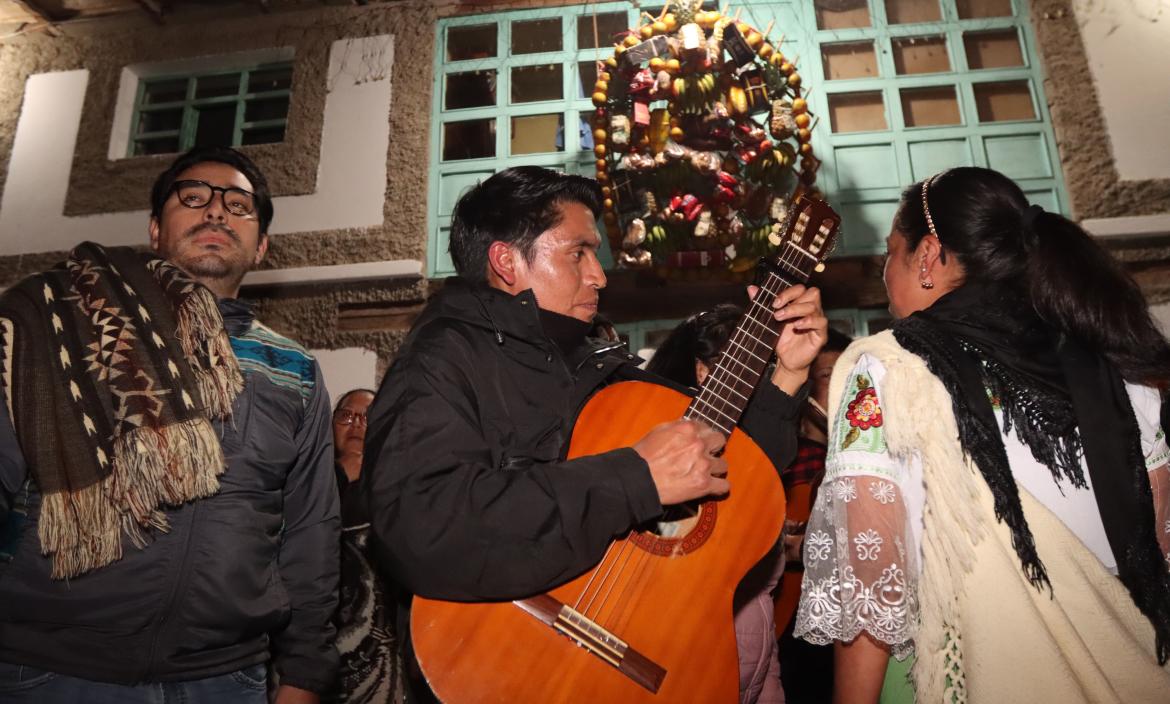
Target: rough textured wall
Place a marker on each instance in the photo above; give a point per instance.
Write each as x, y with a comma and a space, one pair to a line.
97, 184
1090, 174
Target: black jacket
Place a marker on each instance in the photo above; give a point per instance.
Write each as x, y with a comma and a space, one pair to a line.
245, 573
469, 494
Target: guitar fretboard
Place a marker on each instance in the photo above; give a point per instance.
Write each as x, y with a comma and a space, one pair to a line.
730, 383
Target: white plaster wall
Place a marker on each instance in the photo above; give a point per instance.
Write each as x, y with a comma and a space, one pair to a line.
1127, 44
347, 369
351, 180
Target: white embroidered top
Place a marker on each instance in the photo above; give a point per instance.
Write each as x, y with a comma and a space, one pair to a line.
862, 551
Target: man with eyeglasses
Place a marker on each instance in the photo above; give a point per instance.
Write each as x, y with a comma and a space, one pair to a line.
170, 512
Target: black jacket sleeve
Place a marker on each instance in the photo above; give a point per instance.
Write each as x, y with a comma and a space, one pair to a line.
12, 467
447, 523
303, 653
772, 420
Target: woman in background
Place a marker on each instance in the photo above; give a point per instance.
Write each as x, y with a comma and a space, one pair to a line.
997, 496
371, 666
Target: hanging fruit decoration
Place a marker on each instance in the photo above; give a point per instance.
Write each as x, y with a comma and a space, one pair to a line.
701, 136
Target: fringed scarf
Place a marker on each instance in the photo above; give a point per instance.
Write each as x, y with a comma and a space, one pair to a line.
118, 363
1063, 401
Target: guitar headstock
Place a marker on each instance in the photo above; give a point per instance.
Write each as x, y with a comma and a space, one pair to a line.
808, 237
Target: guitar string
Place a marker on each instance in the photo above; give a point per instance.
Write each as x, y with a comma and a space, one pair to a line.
626, 553
637, 582
593, 575
642, 560
623, 551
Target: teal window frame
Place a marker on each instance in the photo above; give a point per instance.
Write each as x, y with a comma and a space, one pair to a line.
190, 105
449, 178
867, 209
900, 154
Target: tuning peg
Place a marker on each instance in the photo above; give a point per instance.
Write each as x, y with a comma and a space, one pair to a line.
819, 267
774, 238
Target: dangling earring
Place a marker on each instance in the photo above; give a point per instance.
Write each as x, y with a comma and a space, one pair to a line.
925, 281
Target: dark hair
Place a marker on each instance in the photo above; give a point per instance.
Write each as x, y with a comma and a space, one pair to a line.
699, 337
223, 155
341, 401
837, 341
983, 219
514, 206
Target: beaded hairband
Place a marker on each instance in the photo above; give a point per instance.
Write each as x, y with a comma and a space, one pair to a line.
926, 207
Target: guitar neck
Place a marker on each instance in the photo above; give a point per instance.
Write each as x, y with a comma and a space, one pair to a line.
725, 392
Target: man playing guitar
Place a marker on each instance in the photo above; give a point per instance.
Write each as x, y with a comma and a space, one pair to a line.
470, 495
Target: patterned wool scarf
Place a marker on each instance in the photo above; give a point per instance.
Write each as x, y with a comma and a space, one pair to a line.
1064, 402
114, 364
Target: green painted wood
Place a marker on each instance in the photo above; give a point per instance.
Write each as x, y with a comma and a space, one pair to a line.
190, 105
862, 172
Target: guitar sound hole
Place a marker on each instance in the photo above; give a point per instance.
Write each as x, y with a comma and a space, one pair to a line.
677, 520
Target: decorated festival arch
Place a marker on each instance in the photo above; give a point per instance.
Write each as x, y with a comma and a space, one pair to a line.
702, 136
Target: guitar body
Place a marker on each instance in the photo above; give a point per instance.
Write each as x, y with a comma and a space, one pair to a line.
668, 599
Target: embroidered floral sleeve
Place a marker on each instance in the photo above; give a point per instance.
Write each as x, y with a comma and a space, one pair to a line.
860, 557
1147, 406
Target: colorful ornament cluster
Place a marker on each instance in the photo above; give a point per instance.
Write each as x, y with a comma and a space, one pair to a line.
702, 137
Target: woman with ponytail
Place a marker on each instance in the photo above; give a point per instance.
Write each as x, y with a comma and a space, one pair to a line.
997, 495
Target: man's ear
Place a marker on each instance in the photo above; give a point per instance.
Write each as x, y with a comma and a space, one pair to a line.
153, 230
502, 263
261, 249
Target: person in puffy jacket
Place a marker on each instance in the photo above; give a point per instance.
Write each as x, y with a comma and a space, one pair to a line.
470, 495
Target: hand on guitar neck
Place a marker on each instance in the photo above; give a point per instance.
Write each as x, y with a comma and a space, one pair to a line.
801, 338
682, 461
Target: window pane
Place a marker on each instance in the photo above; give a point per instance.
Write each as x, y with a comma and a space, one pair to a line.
532, 83
586, 78
469, 139
908, 11
534, 36
160, 120
166, 91
266, 109
538, 133
586, 127
263, 135
842, 14
973, 9
472, 89
999, 102
608, 25
475, 42
925, 107
998, 49
857, 112
215, 125
921, 55
162, 145
852, 60
276, 78
215, 86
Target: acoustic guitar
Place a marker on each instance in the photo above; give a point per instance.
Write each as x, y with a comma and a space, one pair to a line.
652, 622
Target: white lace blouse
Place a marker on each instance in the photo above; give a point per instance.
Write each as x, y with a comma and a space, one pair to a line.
862, 550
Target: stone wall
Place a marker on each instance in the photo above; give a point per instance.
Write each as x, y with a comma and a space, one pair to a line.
99, 185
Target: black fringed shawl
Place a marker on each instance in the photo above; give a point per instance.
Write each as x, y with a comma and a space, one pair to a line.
1064, 401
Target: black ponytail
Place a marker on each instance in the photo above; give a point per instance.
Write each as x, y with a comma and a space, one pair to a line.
1076, 286
983, 218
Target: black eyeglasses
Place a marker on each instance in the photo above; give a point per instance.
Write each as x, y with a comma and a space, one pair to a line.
198, 194
344, 416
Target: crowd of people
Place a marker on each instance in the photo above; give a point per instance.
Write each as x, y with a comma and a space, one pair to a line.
978, 499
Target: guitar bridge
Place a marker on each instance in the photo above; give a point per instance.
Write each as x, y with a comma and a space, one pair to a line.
597, 640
